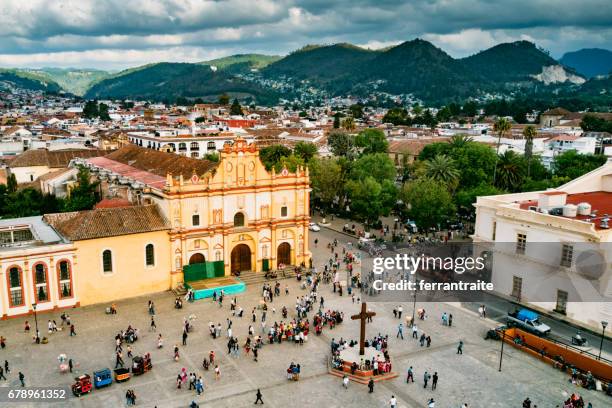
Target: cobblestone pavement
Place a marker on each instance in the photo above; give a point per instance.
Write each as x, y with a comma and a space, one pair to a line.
472, 378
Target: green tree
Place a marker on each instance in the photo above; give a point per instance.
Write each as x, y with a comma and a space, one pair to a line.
428, 202
271, 156
592, 123
356, 111
459, 141
501, 126
378, 166
443, 169
529, 133
90, 111
200, 119
327, 180
371, 199
305, 150
213, 157
103, 112
470, 108
348, 123
372, 141
510, 171
573, 164
336, 121
224, 99
341, 144
11, 183
291, 163
236, 109
84, 195
397, 116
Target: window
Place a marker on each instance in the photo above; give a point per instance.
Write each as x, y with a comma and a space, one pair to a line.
494, 230
567, 253
107, 261
40, 283
182, 147
195, 155
150, 255
15, 287
517, 286
284, 211
195, 220
172, 147
217, 256
239, 220
211, 146
177, 263
194, 146
521, 243
65, 279
561, 302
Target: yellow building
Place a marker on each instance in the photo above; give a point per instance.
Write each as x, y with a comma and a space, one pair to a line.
233, 212
120, 252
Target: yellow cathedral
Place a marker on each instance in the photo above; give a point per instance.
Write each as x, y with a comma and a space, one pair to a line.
163, 216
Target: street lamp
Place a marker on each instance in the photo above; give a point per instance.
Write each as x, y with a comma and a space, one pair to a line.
36, 323
501, 353
415, 297
604, 324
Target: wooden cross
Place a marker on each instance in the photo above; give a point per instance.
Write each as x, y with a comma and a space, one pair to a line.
363, 316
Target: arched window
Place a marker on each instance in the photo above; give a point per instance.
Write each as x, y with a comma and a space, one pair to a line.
107, 261
194, 146
150, 255
284, 211
65, 279
15, 281
172, 147
41, 291
211, 146
182, 147
239, 220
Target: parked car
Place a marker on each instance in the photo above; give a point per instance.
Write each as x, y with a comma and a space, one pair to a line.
527, 320
313, 226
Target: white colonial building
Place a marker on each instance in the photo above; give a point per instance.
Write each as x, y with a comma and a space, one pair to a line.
553, 249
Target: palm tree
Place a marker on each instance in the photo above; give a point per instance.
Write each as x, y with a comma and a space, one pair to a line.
529, 133
442, 168
459, 141
501, 126
510, 171
348, 123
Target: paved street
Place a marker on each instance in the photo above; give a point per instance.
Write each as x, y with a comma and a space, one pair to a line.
472, 378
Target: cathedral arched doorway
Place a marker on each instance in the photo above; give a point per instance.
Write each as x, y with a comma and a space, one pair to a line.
283, 254
197, 258
241, 258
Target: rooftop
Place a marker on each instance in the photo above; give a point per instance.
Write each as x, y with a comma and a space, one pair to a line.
108, 222
56, 158
40, 233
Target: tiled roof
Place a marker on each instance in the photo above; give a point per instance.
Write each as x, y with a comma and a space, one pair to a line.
556, 112
108, 222
56, 158
161, 163
413, 146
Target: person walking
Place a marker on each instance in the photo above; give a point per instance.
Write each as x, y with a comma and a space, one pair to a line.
184, 337
345, 382
6, 366
72, 332
450, 320
393, 402
415, 331
119, 360
70, 364
425, 379
153, 325
434, 381
217, 373
400, 310
400, 331
460, 347
2, 377
410, 375
22, 379
258, 397
431, 403
371, 386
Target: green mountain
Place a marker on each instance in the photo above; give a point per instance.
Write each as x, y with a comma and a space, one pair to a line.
421, 68
169, 81
75, 81
24, 79
509, 63
322, 65
589, 62
242, 63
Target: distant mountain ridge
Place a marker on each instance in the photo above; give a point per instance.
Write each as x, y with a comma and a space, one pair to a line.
589, 62
414, 67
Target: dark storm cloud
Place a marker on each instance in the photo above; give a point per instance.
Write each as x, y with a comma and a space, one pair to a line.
191, 29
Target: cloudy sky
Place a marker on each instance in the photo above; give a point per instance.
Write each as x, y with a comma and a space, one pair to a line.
115, 34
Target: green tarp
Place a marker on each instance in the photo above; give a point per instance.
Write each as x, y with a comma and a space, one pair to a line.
206, 270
